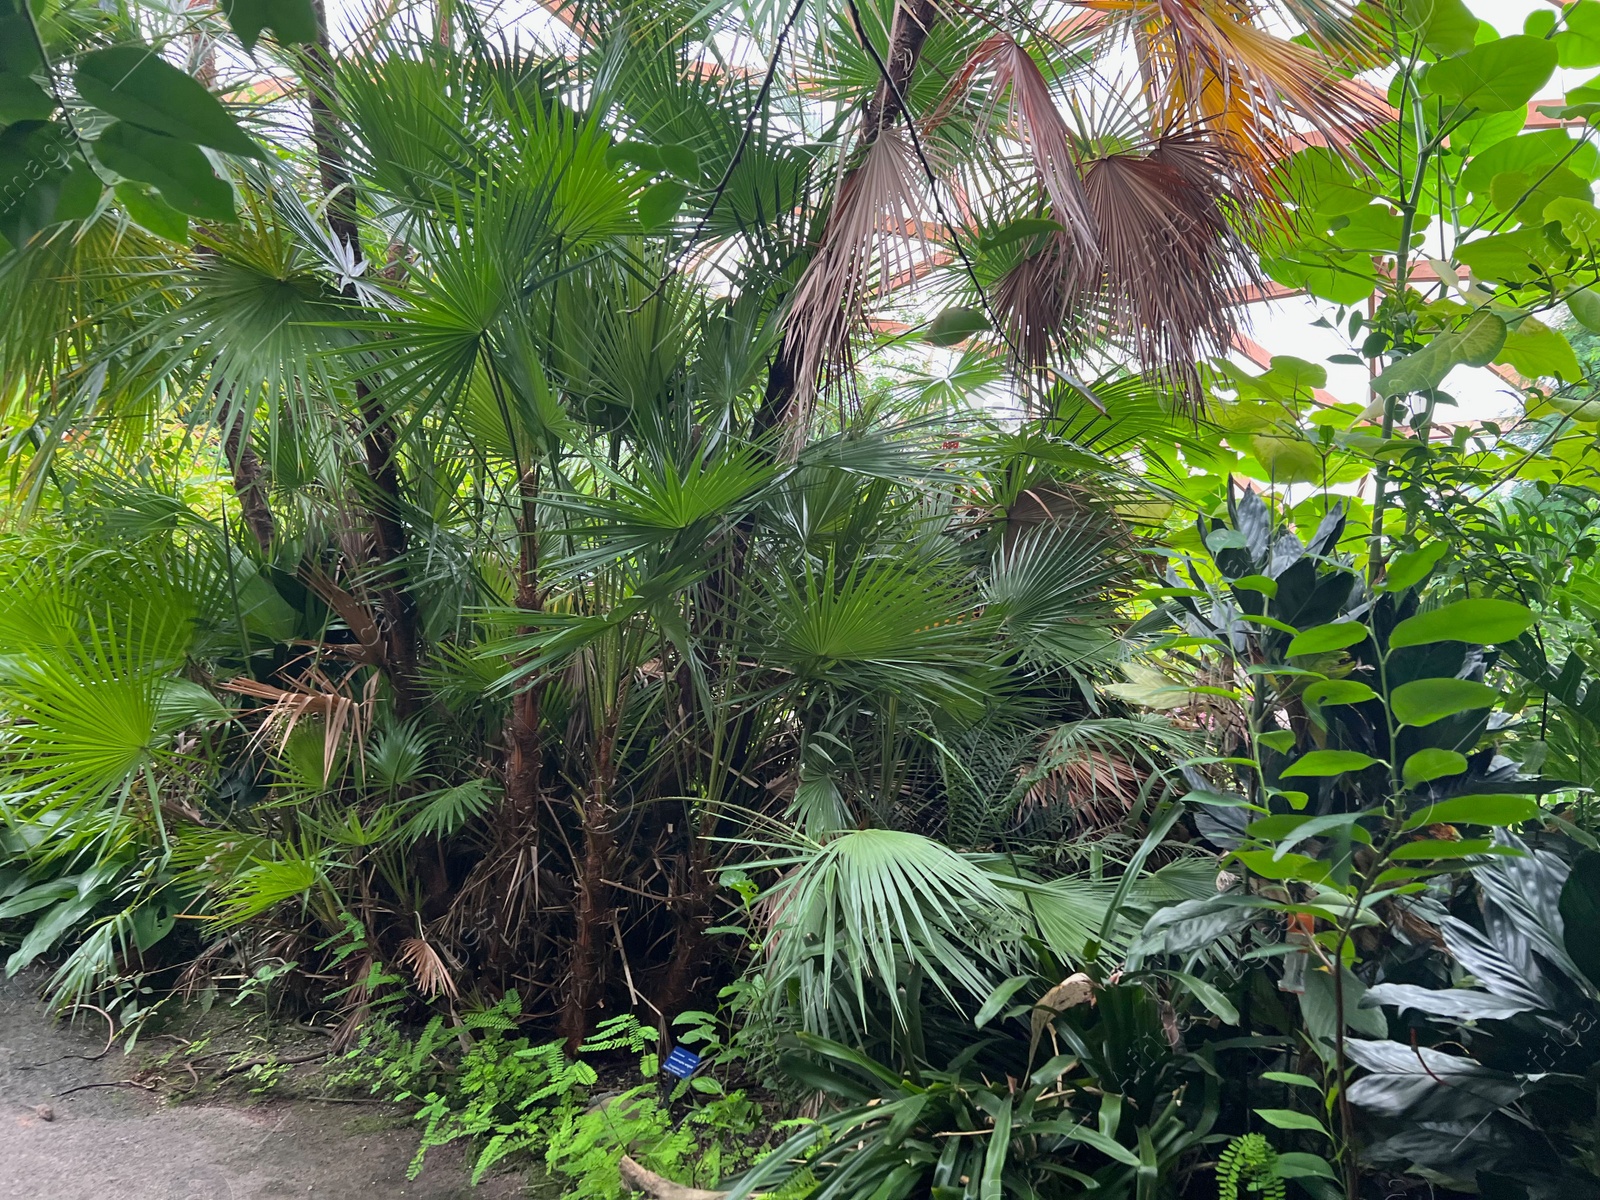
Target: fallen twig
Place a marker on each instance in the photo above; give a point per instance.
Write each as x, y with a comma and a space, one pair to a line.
148, 1087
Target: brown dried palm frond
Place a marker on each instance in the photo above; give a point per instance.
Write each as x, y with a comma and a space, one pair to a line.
345, 717
1036, 121
427, 966
1174, 218
1032, 301
873, 234
1099, 789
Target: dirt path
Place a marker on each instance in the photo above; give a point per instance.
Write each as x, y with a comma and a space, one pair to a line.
122, 1143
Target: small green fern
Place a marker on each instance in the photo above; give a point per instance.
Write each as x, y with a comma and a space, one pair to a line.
1252, 1162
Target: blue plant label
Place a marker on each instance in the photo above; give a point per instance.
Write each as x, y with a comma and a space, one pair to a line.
681, 1063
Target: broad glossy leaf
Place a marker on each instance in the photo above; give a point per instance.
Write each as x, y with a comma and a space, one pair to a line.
1518, 257
1431, 763
1321, 639
1580, 915
1578, 44
1431, 850
178, 169
1477, 622
681, 160
1424, 701
1337, 691
1288, 1118
1495, 77
1446, 26
1585, 306
135, 84
1537, 351
955, 325
1258, 583
1474, 344
21, 99
149, 210
1460, 1004
1270, 865
1329, 762
1403, 1076
291, 20
1411, 567
661, 202
1476, 810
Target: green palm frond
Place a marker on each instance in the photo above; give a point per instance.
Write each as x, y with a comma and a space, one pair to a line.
853, 915
1054, 590
882, 626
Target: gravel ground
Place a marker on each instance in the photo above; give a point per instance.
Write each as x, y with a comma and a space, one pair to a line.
124, 1143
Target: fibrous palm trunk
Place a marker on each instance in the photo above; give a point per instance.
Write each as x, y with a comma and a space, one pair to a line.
399, 625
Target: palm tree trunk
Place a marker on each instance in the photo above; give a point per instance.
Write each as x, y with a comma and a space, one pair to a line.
524, 745
592, 904
401, 635
913, 21
249, 483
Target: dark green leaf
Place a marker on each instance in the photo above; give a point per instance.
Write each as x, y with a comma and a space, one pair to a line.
178, 169
1322, 638
1107, 1146
681, 161
1329, 762
21, 99
152, 212
1337, 691
1476, 810
1411, 567
1432, 763
137, 85
1288, 1118
1424, 701
998, 999
955, 325
1214, 1001
1477, 622
19, 54
994, 1158
291, 20
661, 202
1580, 915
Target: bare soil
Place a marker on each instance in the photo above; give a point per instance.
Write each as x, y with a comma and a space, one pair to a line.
130, 1140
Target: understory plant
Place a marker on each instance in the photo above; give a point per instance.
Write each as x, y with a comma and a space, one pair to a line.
516, 1101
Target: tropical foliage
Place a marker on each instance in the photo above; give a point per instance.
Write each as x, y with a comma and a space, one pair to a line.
742, 527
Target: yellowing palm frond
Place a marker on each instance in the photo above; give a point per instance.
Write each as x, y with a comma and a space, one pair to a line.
1208, 63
